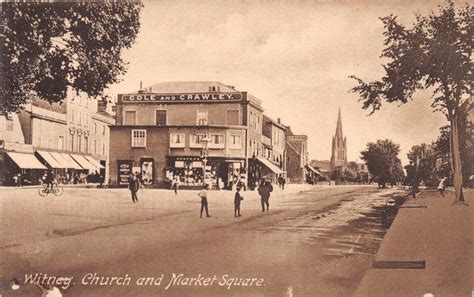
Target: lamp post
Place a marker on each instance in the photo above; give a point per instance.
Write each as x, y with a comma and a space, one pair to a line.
205, 142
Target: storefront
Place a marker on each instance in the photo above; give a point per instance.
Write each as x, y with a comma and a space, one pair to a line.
22, 166
260, 167
220, 173
146, 171
313, 175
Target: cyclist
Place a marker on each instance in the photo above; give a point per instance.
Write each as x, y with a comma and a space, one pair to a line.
50, 178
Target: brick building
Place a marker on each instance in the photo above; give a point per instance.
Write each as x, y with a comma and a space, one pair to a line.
70, 138
196, 132
297, 157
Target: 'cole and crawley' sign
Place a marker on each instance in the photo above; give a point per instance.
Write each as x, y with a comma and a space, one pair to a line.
182, 97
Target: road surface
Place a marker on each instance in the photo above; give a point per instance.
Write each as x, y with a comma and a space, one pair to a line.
314, 241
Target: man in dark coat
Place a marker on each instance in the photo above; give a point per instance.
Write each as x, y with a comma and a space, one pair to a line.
134, 185
203, 195
264, 189
237, 200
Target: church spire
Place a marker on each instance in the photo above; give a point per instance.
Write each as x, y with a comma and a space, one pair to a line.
339, 147
338, 135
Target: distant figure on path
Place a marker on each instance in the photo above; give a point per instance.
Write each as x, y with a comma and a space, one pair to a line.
134, 185
203, 195
264, 190
442, 186
237, 200
282, 182
175, 185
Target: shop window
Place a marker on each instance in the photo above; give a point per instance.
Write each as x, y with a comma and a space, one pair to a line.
138, 139
202, 117
177, 140
217, 141
235, 141
196, 140
130, 117
232, 117
161, 117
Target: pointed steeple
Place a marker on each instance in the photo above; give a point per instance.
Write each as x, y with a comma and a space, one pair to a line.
339, 146
338, 135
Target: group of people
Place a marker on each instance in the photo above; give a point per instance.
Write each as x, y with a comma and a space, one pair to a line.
264, 189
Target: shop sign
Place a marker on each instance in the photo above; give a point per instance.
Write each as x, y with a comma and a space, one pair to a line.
124, 171
147, 172
188, 158
185, 97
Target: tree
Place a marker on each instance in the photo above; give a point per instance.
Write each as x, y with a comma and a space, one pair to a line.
422, 164
435, 53
382, 161
466, 146
351, 172
48, 48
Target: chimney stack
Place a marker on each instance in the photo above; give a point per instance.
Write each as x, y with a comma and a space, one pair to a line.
279, 121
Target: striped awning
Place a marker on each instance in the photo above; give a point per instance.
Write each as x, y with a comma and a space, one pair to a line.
95, 162
68, 161
26, 161
83, 162
270, 165
52, 162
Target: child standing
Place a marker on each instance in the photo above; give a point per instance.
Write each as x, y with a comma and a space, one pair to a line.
237, 200
442, 186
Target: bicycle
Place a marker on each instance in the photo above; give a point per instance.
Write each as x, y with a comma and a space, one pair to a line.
44, 191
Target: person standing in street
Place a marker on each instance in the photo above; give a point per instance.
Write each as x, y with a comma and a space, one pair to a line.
175, 185
442, 186
283, 182
264, 190
237, 200
133, 185
203, 195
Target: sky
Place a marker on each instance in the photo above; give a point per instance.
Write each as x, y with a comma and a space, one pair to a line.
295, 56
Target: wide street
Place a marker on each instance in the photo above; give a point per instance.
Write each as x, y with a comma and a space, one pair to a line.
314, 241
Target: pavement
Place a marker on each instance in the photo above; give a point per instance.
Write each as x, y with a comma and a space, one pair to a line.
314, 241
429, 231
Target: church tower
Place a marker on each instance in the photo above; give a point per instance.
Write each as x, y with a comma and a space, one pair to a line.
339, 148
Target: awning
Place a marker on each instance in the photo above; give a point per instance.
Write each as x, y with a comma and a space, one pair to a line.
270, 165
68, 161
54, 163
26, 161
95, 162
314, 170
83, 162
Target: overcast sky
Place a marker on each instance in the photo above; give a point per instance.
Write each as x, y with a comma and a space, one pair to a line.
295, 56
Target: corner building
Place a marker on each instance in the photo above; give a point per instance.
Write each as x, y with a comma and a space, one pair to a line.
195, 131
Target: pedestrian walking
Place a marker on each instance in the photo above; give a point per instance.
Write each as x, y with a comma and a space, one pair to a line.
282, 182
442, 186
264, 190
133, 186
237, 199
203, 195
175, 185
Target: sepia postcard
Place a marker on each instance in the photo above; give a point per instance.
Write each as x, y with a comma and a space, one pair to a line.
236, 148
